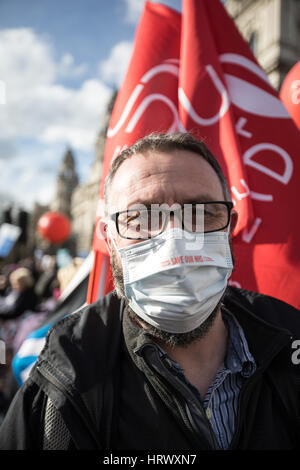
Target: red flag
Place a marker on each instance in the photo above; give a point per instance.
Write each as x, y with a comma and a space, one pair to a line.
248, 129
226, 99
149, 90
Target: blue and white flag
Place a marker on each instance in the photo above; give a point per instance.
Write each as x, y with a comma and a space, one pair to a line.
9, 234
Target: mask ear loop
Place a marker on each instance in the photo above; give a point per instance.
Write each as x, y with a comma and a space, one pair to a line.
112, 238
228, 228
228, 240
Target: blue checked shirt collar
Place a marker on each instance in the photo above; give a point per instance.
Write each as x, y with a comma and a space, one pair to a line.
238, 358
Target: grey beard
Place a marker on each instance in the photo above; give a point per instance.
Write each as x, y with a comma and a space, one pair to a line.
171, 339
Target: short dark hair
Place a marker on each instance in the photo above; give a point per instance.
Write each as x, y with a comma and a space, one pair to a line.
163, 142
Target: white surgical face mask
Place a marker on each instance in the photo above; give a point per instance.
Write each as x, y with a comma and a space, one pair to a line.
174, 284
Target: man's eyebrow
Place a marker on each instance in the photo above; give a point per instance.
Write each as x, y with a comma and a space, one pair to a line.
200, 198
187, 200
140, 205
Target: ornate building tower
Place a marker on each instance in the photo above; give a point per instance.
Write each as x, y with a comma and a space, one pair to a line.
272, 28
67, 181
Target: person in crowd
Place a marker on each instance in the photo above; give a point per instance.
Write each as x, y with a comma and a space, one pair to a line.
30, 263
18, 302
174, 358
47, 279
4, 285
66, 273
21, 297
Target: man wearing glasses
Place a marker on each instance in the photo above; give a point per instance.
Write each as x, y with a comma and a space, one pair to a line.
174, 358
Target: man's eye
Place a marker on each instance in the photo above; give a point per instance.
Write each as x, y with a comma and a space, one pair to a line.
132, 217
209, 213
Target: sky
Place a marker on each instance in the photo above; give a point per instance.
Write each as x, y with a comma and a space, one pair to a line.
59, 63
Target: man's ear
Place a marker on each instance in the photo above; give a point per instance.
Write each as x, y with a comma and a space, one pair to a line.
103, 235
233, 220
107, 239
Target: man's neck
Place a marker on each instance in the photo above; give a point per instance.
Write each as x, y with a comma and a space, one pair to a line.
202, 359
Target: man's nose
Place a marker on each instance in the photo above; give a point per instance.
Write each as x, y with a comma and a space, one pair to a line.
173, 221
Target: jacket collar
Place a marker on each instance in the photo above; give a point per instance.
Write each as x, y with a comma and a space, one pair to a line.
136, 339
264, 339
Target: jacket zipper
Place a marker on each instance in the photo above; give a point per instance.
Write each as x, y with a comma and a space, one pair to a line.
186, 415
53, 380
193, 424
187, 418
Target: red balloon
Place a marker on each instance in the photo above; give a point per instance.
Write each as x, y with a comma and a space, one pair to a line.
54, 227
290, 93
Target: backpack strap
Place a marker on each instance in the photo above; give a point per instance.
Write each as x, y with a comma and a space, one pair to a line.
56, 435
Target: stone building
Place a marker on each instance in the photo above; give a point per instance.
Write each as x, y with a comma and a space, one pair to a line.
85, 197
67, 181
272, 28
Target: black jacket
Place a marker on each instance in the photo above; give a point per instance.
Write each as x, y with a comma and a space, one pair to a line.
101, 394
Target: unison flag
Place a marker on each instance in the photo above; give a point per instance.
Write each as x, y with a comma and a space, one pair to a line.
196, 73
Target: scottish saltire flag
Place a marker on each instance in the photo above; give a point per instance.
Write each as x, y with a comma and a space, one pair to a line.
194, 72
28, 353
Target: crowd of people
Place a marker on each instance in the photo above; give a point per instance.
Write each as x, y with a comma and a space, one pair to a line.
29, 291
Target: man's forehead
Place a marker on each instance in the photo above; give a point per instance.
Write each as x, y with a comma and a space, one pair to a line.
156, 162
161, 174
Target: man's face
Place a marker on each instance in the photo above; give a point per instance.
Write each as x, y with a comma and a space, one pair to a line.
178, 177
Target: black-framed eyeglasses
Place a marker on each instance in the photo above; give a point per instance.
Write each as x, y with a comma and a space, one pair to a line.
148, 222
